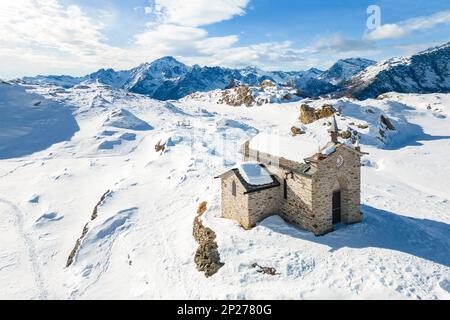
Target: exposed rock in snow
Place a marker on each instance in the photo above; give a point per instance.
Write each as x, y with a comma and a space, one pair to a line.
244, 95
310, 115
238, 96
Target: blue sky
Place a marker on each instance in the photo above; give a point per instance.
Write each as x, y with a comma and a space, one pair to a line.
79, 36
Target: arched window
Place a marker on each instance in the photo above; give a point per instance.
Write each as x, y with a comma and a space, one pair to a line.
233, 189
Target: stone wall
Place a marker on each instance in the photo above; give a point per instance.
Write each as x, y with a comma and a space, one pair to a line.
329, 177
235, 207
297, 208
263, 204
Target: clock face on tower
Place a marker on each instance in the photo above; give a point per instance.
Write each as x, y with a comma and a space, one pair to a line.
339, 161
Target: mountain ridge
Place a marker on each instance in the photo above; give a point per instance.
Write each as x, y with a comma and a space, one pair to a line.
169, 79
427, 71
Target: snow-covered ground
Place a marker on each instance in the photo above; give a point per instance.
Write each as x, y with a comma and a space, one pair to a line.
139, 243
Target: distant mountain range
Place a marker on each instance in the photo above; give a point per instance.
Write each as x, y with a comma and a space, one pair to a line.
169, 79
425, 72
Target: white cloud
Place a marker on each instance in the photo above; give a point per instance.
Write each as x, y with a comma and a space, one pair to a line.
338, 43
197, 13
46, 33
177, 29
407, 27
48, 37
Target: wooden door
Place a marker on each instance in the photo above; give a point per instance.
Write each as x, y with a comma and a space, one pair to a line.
336, 207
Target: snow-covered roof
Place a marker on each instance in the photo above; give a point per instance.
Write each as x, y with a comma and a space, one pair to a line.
329, 149
292, 148
254, 174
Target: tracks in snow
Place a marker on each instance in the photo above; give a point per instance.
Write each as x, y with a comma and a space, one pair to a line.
30, 249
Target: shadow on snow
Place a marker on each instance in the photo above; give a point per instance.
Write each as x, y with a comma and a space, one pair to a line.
31, 124
423, 238
407, 134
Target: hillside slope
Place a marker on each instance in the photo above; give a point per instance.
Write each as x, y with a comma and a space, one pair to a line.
137, 206
425, 72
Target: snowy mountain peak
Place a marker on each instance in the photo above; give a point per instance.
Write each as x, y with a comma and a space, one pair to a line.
166, 62
425, 72
344, 69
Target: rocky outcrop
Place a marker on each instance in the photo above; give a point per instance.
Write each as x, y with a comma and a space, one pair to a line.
386, 122
309, 115
94, 216
207, 257
385, 126
238, 96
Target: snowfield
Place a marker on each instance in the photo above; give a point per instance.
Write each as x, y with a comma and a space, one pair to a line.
138, 244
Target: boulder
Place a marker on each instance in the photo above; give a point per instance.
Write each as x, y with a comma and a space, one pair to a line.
345, 134
309, 115
386, 122
326, 111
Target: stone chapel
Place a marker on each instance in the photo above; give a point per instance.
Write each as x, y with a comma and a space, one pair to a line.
310, 187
